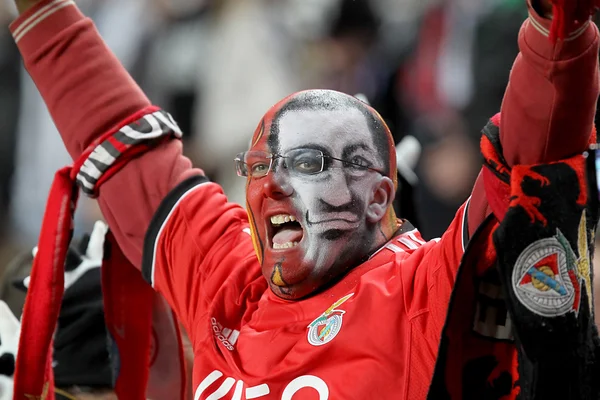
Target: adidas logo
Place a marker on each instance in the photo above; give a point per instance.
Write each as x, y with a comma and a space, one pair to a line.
225, 335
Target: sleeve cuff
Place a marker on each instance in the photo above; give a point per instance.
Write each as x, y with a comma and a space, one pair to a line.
536, 33
42, 22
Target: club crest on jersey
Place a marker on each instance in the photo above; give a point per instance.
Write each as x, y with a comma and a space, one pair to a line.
326, 327
548, 276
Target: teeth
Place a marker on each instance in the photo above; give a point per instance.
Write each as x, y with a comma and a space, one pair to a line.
282, 219
288, 245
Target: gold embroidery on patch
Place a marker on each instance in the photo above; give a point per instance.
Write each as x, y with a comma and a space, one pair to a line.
583, 263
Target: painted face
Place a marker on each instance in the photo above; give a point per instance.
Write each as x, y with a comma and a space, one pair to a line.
313, 227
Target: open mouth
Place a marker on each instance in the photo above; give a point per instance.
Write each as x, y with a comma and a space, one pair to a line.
286, 232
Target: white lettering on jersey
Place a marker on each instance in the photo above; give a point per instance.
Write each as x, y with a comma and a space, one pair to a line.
227, 336
303, 382
258, 391
222, 390
255, 392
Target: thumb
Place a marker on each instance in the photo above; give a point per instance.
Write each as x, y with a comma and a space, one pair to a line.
95, 247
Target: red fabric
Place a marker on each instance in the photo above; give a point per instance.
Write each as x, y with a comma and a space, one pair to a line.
549, 106
553, 89
182, 365
128, 299
498, 191
33, 374
127, 152
245, 337
167, 376
128, 302
567, 14
128, 319
473, 353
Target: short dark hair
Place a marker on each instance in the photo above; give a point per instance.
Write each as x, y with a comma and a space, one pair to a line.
333, 101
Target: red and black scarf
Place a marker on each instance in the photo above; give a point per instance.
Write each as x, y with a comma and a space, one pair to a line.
520, 322
129, 303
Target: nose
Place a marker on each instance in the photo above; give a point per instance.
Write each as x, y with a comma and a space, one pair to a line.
338, 192
276, 186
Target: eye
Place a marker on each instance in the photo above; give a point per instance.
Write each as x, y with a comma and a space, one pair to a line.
308, 165
259, 169
358, 162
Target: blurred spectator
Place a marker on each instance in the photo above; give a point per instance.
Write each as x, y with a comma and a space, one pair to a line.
435, 69
494, 50
173, 55
251, 67
453, 82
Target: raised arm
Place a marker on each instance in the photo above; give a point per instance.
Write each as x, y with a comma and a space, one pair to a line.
88, 92
156, 204
549, 104
547, 115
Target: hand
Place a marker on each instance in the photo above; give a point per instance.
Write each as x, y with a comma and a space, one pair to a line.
567, 15
88, 254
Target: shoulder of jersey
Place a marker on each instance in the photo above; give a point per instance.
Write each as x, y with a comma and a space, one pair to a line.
407, 243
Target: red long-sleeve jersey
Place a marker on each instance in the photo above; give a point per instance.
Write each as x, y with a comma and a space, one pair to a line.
375, 333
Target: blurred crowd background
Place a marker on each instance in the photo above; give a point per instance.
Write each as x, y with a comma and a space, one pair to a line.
434, 69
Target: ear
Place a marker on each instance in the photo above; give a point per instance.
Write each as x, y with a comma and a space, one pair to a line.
381, 200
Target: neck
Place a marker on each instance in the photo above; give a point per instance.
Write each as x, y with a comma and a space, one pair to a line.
389, 225
388, 228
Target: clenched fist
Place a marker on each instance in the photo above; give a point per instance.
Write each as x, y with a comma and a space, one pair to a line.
567, 15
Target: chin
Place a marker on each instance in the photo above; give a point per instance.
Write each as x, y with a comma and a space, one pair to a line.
302, 271
293, 292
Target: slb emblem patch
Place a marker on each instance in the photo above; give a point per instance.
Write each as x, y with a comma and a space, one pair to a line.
326, 327
547, 276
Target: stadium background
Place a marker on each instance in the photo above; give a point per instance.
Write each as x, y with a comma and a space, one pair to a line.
435, 69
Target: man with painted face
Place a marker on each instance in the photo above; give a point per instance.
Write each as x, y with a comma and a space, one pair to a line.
315, 290
318, 202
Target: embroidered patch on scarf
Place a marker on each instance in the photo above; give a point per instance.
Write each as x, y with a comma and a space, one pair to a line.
548, 275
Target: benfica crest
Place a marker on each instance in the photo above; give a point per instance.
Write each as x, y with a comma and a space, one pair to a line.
326, 327
548, 276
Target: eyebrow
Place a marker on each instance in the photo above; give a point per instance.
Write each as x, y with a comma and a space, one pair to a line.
348, 150
314, 146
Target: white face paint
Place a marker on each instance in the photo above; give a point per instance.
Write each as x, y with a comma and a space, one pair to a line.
332, 202
330, 206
